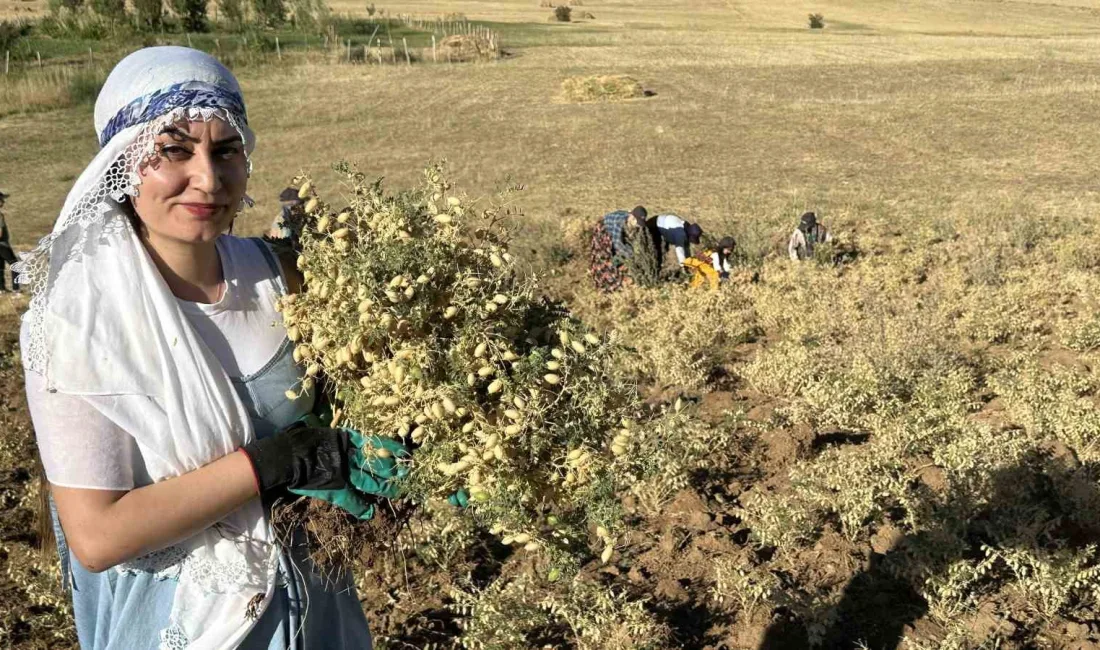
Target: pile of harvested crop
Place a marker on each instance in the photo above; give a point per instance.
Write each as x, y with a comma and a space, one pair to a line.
597, 88
415, 313
468, 47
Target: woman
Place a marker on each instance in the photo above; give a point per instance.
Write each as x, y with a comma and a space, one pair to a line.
156, 382
711, 266
809, 234
678, 234
611, 248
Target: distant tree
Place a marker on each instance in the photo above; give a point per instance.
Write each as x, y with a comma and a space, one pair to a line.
149, 14
817, 21
11, 31
110, 9
232, 11
306, 14
270, 13
563, 14
192, 13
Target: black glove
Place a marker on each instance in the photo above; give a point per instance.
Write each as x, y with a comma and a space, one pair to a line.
301, 457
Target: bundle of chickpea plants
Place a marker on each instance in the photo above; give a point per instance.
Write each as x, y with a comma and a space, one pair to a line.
415, 313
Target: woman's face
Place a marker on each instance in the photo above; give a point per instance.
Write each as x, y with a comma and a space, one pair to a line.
193, 184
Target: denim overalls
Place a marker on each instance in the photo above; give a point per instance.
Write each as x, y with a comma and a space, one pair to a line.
125, 609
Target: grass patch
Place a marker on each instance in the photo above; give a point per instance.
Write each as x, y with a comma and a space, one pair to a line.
51, 88
601, 88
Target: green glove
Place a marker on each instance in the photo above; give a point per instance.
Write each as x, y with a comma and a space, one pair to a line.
375, 475
369, 474
459, 499
344, 498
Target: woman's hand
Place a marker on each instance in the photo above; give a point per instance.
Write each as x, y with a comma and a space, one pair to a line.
301, 457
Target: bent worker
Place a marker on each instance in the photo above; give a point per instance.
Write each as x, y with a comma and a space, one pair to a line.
280, 228
721, 256
809, 234
678, 234
711, 266
611, 247
7, 254
616, 224
158, 376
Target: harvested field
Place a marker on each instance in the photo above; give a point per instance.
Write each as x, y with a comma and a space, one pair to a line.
913, 417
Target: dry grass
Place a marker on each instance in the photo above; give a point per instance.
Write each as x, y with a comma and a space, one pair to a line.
21, 9
876, 123
601, 88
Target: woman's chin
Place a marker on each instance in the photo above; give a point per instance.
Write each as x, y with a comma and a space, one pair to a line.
202, 234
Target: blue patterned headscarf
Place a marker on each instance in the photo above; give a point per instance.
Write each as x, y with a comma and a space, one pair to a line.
157, 80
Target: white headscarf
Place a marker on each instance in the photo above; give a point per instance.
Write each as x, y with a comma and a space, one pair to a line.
103, 325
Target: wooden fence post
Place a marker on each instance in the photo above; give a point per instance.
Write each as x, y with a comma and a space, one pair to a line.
278, 50
7, 61
372, 35
405, 43
434, 58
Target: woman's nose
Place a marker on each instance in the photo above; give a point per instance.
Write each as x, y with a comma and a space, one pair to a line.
205, 175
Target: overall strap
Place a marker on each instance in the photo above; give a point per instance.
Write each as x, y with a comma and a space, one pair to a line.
272, 263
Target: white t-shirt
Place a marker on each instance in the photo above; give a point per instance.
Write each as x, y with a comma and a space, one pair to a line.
716, 262
670, 222
81, 448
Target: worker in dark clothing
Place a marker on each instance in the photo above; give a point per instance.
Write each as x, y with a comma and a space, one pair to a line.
677, 234
7, 254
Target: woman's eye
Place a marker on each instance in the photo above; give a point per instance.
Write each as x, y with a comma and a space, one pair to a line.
228, 153
174, 152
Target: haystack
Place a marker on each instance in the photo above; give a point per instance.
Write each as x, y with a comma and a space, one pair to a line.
467, 47
595, 88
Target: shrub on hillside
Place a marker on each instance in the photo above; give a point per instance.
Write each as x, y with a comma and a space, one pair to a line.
192, 14
11, 31
307, 14
817, 21
58, 5
149, 15
563, 14
269, 13
233, 12
110, 9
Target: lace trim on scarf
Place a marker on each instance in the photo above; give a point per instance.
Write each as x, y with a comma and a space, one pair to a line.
174, 638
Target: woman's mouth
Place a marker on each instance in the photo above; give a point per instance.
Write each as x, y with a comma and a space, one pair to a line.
202, 210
